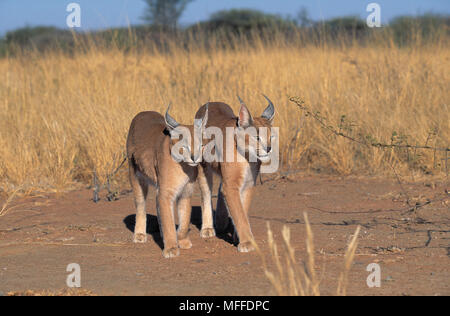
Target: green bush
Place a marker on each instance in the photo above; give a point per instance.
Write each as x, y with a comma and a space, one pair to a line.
40, 38
245, 20
3, 47
344, 27
427, 27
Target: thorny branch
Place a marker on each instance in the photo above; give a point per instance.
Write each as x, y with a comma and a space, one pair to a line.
369, 141
112, 195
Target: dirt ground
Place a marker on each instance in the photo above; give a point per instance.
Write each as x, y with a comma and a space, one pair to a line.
42, 235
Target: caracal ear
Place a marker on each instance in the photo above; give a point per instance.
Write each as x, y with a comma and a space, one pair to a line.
245, 118
205, 117
269, 112
201, 123
171, 123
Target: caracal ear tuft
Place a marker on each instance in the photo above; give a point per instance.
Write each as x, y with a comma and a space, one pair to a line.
269, 112
205, 117
245, 118
171, 123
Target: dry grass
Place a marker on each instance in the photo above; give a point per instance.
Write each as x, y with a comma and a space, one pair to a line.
293, 278
63, 292
62, 117
10, 197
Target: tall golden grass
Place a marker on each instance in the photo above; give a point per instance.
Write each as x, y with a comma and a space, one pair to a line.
293, 278
63, 116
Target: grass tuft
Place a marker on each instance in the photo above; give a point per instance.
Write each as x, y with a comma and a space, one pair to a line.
291, 278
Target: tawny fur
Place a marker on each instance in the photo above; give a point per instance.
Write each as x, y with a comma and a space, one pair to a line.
237, 178
150, 163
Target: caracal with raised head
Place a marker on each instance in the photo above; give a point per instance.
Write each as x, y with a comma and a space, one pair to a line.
238, 176
149, 150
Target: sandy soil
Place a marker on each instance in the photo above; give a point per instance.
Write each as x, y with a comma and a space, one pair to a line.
42, 235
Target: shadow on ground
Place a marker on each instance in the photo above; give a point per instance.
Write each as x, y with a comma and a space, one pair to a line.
153, 228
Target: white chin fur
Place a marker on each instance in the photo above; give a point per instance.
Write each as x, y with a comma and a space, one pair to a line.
192, 164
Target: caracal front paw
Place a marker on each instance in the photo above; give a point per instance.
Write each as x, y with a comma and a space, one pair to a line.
207, 232
171, 252
140, 238
246, 246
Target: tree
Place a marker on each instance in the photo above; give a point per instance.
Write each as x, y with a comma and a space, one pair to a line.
165, 13
303, 17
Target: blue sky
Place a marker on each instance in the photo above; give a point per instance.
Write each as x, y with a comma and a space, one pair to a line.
97, 14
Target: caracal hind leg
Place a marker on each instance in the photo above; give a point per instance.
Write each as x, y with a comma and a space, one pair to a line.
205, 180
165, 208
240, 218
184, 217
221, 217
140, 190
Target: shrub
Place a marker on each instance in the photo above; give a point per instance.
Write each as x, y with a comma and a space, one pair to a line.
246, 20
427, 27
